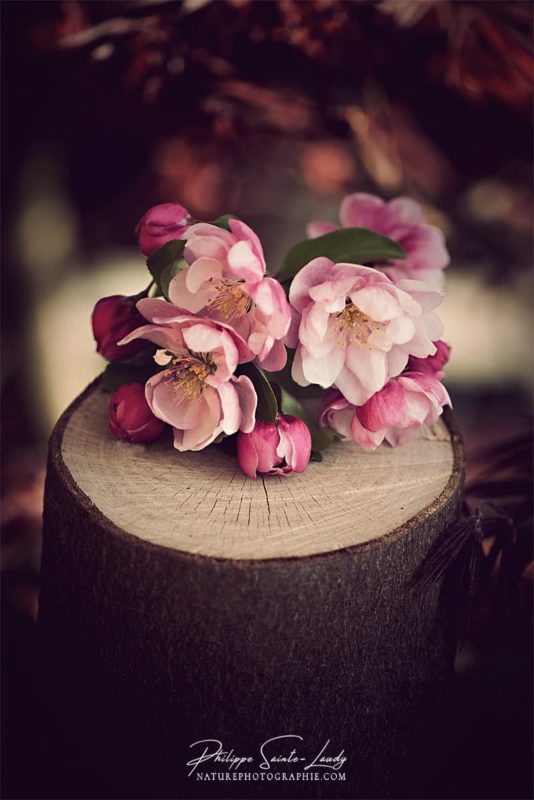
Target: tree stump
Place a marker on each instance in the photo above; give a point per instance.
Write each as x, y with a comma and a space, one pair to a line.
181, 601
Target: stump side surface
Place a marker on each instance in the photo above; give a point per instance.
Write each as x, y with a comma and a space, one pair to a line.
201, 503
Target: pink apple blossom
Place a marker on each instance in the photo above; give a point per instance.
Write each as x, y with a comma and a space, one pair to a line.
226, 281
355, 328
393, 414
400, 219
130, 417
197, 393
275, 448
159, 225
432, 365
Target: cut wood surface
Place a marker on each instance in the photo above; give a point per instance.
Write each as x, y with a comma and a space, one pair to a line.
202, 503
273, 607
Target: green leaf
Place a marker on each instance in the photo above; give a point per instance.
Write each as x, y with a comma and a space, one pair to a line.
321, 437
222, 222
165, 263
267, 406
349, 245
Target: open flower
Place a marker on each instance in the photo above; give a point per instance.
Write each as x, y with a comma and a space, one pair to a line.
357, 328
400, 219
393, 414
159, 225
197, 392
432, 365
226, 281
130, 417
275, 448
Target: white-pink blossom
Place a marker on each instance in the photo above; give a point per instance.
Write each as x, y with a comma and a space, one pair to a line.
355, 329
197, 393
401, 219
226, 281
393, 414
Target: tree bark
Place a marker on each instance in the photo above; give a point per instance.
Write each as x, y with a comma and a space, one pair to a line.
181, 601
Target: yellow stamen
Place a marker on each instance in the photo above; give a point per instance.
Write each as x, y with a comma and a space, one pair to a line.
352, 325
188, 376
230, 301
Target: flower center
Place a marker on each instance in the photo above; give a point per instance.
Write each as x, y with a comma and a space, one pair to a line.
231, 301
352, 325
188, 375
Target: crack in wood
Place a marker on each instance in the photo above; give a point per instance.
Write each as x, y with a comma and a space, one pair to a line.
354, 497
266, 496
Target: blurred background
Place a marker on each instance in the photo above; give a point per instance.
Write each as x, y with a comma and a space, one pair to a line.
273, 111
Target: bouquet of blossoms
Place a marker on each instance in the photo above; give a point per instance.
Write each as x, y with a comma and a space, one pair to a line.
341, 342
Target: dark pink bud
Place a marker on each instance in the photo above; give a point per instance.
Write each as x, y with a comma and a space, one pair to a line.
432, 365
113, 318
130, 417
160, 224
275, 448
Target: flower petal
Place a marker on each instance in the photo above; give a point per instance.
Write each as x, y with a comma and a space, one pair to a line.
396, 361
248, 402
421, 292
204, 239
206, 433
341, 421
369, 365
404, 211
231, 412
401, 329
202, 338
351, 387
155, 308
378, 303
313, 274
183, 298
361, 210
367, 439
166, 337
270, 298
276, 358
315, 229
295, 442
201, 270
243, 262
385, 408
296, 370
243, 232
324, 370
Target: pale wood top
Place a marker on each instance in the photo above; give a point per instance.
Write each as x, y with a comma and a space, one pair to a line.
202, 503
